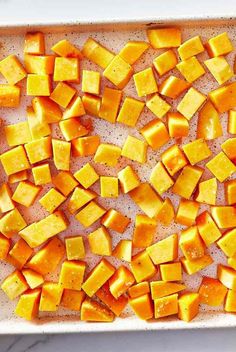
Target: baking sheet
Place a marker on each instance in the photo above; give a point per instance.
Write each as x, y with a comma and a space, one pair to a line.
114, 37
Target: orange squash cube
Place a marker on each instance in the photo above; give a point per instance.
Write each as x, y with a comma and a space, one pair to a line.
142, 267
219, 45
18, 176
26, 193
86, 176
115, 221
107, 154
187, 212
91, 103
145, 82
161, 38
32, 278
110, 104
224, 98
66, 49
41, 174
52, 200
61, 154
28, 304
166, 213
72, 299
130, 111
207, 228
144, 231
221, 166
72, 128
118, 72
232, 122
190, 103
165, 62
224, 216
5, 245
11, 223
197, 151
38, 129
173, 159
191, 69
100, 242
230, 192
227, 276
230, 301
90, 214
91, 82
72, 275
173, 87
14, 160
164, 251
139, 289
135, 149
17, 134
66, 69
74, 109
12, 69
9, 96
128, 179
209, 126
133, 50
97, 53
75, 248
38, 85
6, 202
62, 94
34, 43
121, 280
14, 285
123, 250
142, 306
190, 47
85, 146
160, 179
227, 243
212, 292
220, 69
39, 150
115, 305
94, 311
188, 306
64, 182
191, 243
193, 266
207, 191
158, 106
178, 125
50, 297
155, 133
79, 198
229, 147
161, 289
109, 187
171, 272
40, 65
187, 181
166, 306
19, 254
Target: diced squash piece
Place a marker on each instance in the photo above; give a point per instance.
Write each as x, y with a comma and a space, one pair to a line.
144, 231
75, 248
162, 288
32, 278
173, 159
224, 216
212, 292
220, 69
39, 150
38, 85
190, 103
100, 274
66, 49
18, 176
221, 166
133, 50
207, 191
6, 202
115, 221
66, 69
191, 243
91, 104
79, 198
230, 192
190, 47
166, 213
120, 281
107, 154
187, 212
128, 179
72, 128
62, 94
85, 146
130, 111
145, 82
11, 223
97, 53
14, 285
118, 72
232, 122
110, 104
9, 96
207, 228
28, 305
171, 272
178, 125
12, 69
86, 176
142, 267
91, 82
164, 37
164, 251
38, 129
142, 306
14, 160
61, 154
219, 45
158, 106
187, 181
64, 182
155, 133
230, 301
173, 87
41, 65
227, 276
147, 199
165, 62
123, 250
26, 193
5, 245
197, 151
94, 311
90, 214
191, 69
139, 289
72, 274
34, 43
229, 148
17, 134
135, 149
160, 179
166, 306
227, 243
72, 299
74, 109
209, 126
50, 297
42, 174
193, 266
46, 260
19, 254
109, 187
224, 98
52, 200
115, 305
188, 306
100, 242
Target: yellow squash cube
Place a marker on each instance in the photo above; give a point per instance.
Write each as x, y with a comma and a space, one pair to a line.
72, 275
197, 151
100, 242
164, 37
61, 154
109, 187
74, 109
50, 297
115, 221
162, 288
193, 266
188, 306
90, 214
97, 53
173, 87
72, 299
62, 94
121, 281
128, 179
86, 176
110, 104
18, 176
144, 231
38, 85
32, 278
66, 69
72, 128
123, 250
41, 65
178, 125
220, 69
230, 192
34, 43
191, 69
224, 216
227, 243
142, 267
191, 243
6, 202
64, 182
145, 82
165, 62
147, 199
166, 213
85, 146
91, 82
52, 200
212, 292
207, 228
42, 174
14, 285
171, 272
38, 129
9, 96
190, 103
187, 181
17, 134
207, 191
173, 159
229, 148
94, 311
19, 254
160, 179
107, 154
118, 72
142, 306
66, 49
11, 223
219, 45
209, 126
79, 198
191, 47
227, 276
5, 245
115, 305
232, 122
221, 167
158, 106
230, 301
75, 248
139, 289
28, 304
187, 212
155, 133
91, 104
164, 251
224, 98
39, 150
130, 111
133, 50
135, 149
12, 69
166, 306
14, 160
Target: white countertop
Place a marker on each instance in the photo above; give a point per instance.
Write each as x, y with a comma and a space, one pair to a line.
28, 11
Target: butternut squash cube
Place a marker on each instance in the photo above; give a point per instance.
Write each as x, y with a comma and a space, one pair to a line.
86, 176
66, 49
118, 72
133, 50
14, 160
220, 69
142, 306
9, 96
110, 104
39, 150
52, 200
100, 241
38, 85
66, 69
100, 274
72, 299
158, 106
6, 202
173, 87
212, 292
61, 154
209, 126
190, 103
18, 176
188, 306
123, 250
232, 262
42, 174
17, 134
120, 281
164, 251
187, 181
19, 254
147, 199
166, 213
144, 231
229, 148
74, 109
187, 212
115, 305
230, 301
40, 65
38, 129
224, 98
191, 69
178, 125
11, 223
14, 285
171, 272
50, 297
79, 198
94, 311
12, 69
64, 182
227, 243
145, 82
128, 179
32, 278
90, 214
91, 103
207, 191
135, 149
26, 193
62, 94
160, 179
72, 275
139, 289
34, 43
5, 245
207, 228
142, 267
193, 266
115, 221
46, 260
232, 122
165, 62
173, 159
91, 82
219, 45
221, 166
97, 53
197, 151
191, 243
109, 187
75, 248
164, 37
85, 146
191, 47
28, 304
230, 192
130, 111
162, 288
107, 154
224, 216
72, 128
227, 276
155, 133
166, 306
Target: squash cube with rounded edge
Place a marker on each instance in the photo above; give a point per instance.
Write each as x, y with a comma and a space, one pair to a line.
66, 69
72, 299
12, 69
123, 250
197, 151
188, 306
109, 187
219, 45
91, 82
221, 166
94, 311
133, 50
145, 82
187, 181
164, 37
38, 85
135, 149
155, 133
17, 134
207, 191
191, 243
166, 306
142, 267
120, 281
118, 72
85, 146
173, 159
160, 179
110, 104
86, 176
128, 179
34, 43
191, 47
144, 231
209, 125
90, 214
187, 212
14, 160
207, 228
230, 192
100, 242
61, 154
39, 150
52, 200
42, 174
115, 221
164, 251
14, 285
190, 103
79, 198
75, 248
165, 62
212, 292
191, 69
173, 87
107, 154
72, 274
50, 297
130, 111
62, 94
178, 125
11, 223
227, 276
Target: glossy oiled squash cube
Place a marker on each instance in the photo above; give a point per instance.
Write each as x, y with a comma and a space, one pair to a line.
173, 87
28, 304
19, 254
38, 128
118, 72
46, 110
94, 311
160, 179
86, 176
197, 151
61, 154
191, 243
34, 43
90, 214
142, 267
5, 245
79, 198
32, 278
91, 82
109, 187
219, 45
224, 216
230, 192
115, 305
38, 85
158, 106
232, 122
139, 289
166, 306
155, 133
142, 306
187, 212
209, 126
227, 276
42, 174
62, 94
123, 250
128, 179
26, 193
97, 53
120, 281
187, 181
41, 65
6, 202
14, 160
85, 146
17, 134
173, 159
100, 242
164, 37
107, 154
221, 166
166, 213
188, 306
190, 103
72, 299
64, 182
212, 292
50, 297
220, 69
144, 231
12, 69
91, 104
193, 266
171, 271
9, 96
72, 274
227, 243
165, 62
14, 285
135, 149
207, 228
74, 109
52, 200
230, 301
162, 288
66, 49
191, 69
130, 111
110, 104
207, 191
11, 223
229, 148
115, 221
66, 69
178, 125
190, 47
39, 149
75, 248
224, 98
18, 176
133, 50
72, 128
164, 251
145, 82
